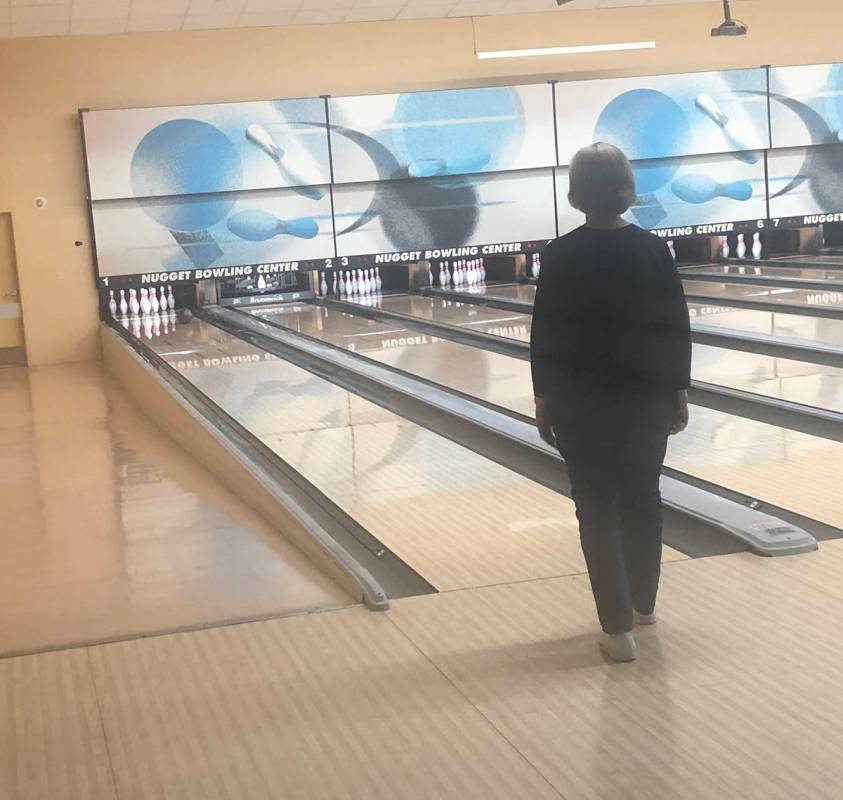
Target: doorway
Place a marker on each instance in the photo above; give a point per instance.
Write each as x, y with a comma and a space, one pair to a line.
12, 347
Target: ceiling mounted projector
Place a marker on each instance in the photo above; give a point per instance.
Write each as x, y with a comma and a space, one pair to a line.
729, 26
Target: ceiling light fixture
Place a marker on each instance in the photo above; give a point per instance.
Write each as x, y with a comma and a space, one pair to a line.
562, 51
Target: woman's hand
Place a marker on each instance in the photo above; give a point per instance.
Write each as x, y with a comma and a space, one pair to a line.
543, 422
680, 422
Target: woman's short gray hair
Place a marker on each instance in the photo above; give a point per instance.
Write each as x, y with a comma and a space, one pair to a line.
601, 182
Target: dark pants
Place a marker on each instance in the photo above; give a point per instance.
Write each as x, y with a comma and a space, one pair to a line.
613, 442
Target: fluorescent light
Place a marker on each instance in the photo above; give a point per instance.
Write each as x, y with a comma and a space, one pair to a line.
559, 51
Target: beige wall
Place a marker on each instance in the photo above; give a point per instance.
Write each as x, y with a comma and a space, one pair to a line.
44, 81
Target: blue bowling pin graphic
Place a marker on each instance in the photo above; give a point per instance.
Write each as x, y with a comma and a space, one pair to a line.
256, 225
262, 139
699, 189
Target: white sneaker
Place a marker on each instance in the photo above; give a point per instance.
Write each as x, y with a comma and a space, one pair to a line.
644, 619
619, 646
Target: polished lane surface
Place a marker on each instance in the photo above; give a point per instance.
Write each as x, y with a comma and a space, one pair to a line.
496, 322
830, 259
525, 292
457, 518
783, 467
765, 271
111, 530
764, 294
818, 330
505, 381
739, 320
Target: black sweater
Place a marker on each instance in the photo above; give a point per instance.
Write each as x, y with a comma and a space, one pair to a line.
609, 310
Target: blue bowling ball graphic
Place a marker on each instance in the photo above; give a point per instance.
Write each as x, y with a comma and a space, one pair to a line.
457, 132
646, 124
177, 165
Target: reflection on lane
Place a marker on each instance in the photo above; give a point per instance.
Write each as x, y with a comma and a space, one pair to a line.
786, 468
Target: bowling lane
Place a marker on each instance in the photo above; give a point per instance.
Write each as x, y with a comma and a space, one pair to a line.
831, 259
765, 271
488, 376
525, 292
764, 294
783, 467
457, 518
505, 381
493, 321
789, 326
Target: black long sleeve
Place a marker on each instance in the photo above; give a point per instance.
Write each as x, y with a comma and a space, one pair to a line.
609, 309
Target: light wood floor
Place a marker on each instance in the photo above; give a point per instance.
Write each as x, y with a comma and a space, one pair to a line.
109, 529
496, 692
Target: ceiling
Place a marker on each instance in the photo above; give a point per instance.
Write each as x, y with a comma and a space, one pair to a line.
63, 17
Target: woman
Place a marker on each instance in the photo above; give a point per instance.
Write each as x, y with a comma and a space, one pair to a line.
611, 359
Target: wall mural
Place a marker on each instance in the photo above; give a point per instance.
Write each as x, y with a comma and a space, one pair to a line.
308, 180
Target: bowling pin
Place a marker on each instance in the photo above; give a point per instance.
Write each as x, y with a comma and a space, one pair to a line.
482, 270
341, 284
378, 281
153, 301
112, 303
699, 189
261, 138
256, 225
354, 286
724, 247
323, 286
756, 246
429, 273
162, 301
261, 282
732, 133
670, 247
171, 299
133, 302
145, 305
443, 275
741, 249
124, 306
534, 267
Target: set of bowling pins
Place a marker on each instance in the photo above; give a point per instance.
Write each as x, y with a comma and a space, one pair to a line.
149, 301
153, 309
464, 272
536, 265
355, 283
741, 249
